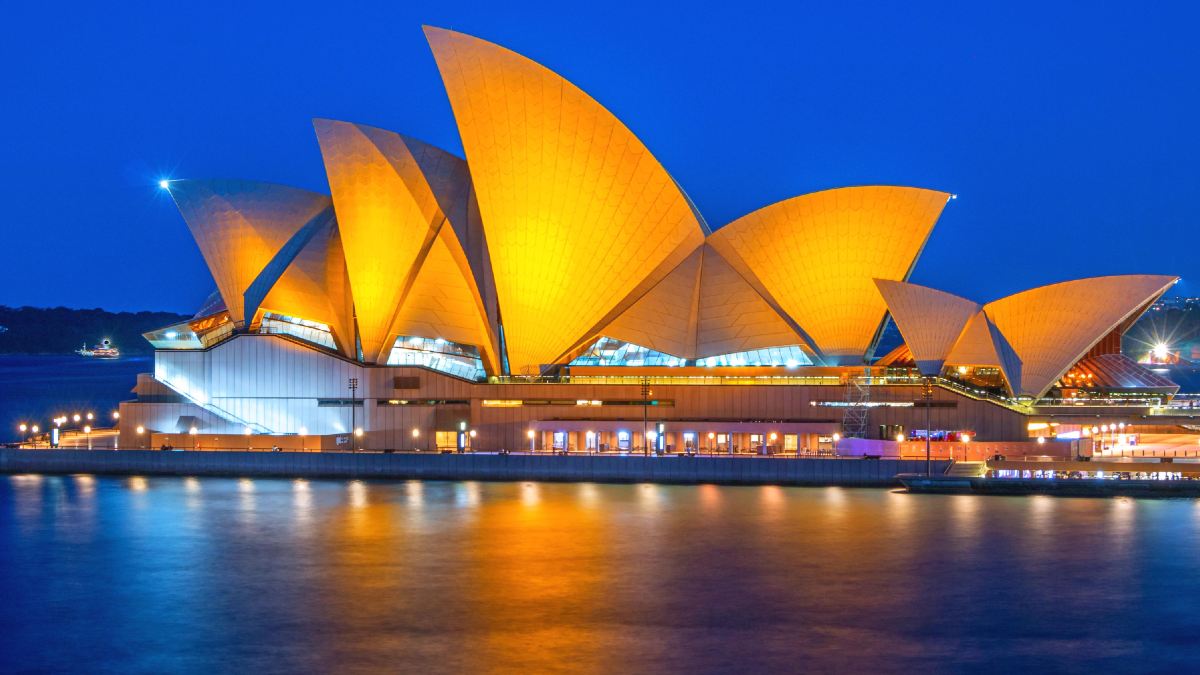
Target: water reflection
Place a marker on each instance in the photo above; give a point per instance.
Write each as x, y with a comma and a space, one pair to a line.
532, 577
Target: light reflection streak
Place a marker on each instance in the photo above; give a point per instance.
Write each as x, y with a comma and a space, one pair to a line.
467, 494
531, 494
589, 496
414, 494
358, 494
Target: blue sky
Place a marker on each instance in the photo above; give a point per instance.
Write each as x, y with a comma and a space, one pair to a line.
1068, 131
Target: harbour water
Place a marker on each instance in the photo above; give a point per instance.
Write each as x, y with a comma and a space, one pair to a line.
35, 388
199, 575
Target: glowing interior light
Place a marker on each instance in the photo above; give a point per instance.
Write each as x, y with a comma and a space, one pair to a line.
170, 335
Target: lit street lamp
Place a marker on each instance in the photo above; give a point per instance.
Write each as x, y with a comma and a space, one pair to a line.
192, 432
416, 434
530, 435
836, 437
249, 442
35, 431
23, 429
87, 431
303, 433
141, 430
358, 433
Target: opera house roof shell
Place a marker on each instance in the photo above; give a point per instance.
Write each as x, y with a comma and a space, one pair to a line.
560, 229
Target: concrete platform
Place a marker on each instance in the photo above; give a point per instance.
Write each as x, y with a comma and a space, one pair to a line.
850, 472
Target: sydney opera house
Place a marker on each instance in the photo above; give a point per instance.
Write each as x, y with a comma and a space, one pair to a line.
558, 289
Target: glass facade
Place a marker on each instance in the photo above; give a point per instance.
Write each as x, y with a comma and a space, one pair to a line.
610, 352
310, 331
437, 354
175, 336
789, 357
195, 334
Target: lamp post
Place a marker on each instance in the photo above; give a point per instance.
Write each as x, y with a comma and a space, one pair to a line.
35, 430
192, 433
352, 383
836, 437
966, 439
303, 433
416, 434
530, 435
645, 413
927, 397
24, 428
249, 441
358, 434
141, 430
87, 432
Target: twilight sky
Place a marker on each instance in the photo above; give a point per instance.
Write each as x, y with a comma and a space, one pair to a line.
1068, 132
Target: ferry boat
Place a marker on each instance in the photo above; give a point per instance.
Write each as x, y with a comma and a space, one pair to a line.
1162, 477
104, 350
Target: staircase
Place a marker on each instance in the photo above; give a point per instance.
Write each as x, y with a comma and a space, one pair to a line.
966, 469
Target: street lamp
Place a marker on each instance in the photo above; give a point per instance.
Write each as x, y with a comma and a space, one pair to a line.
23, 429
358, 432
711, 436
249, 442
416, 434
530, 435
116, 415
140, 431
966, 438
35, 431
87, 431
75, 418
303, 433
192, 431
836, 437
1041, 440
90, 417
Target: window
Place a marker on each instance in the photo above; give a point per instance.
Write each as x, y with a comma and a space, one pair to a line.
437, 354
790, 443
622, 440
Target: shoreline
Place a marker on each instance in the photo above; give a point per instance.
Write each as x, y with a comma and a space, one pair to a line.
676, 470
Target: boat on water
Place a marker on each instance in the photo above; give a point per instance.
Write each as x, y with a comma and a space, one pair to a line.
1162, 477
104, 350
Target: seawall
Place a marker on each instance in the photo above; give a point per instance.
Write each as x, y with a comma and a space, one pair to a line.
577, 468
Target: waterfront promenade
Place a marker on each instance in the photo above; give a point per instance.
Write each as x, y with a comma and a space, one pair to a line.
850, 472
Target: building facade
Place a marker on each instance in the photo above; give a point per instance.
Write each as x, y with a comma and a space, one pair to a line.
557, 289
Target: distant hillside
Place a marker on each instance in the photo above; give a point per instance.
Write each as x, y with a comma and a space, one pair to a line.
60, 330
